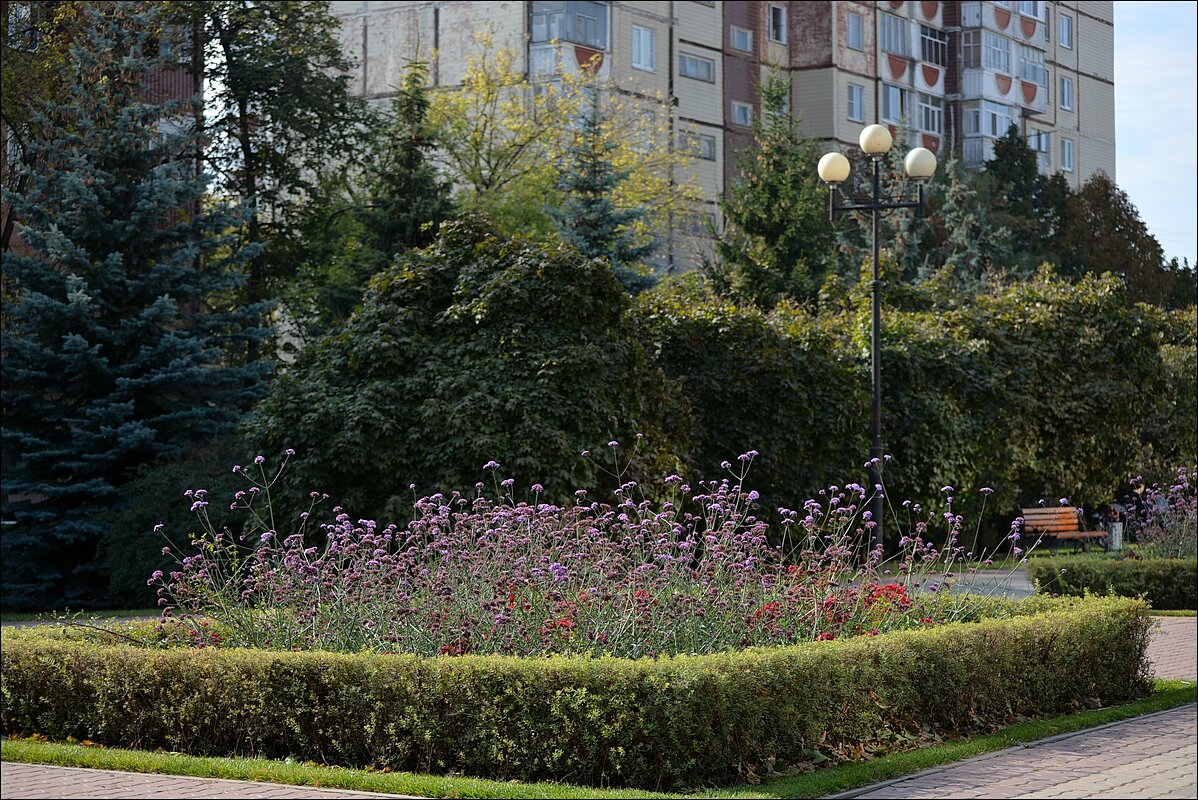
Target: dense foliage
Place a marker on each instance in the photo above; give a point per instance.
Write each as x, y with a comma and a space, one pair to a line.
117, 343
1015, 388
478, 346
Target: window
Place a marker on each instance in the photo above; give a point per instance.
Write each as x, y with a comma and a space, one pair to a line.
933, 46
856, 103
1067, 93
1038, 141
931, 114
1003, 3
742, 114
996, 119
1031, 65
971, 48
895, 38
894, 104
972, 116
996, 52
778, 24
1029, 9
855, 32
742, 39
1066, 35
644, 48
699, 145
1067, 155
701, 69
569, 20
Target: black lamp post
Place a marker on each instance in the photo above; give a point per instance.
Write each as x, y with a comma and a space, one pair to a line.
834, 170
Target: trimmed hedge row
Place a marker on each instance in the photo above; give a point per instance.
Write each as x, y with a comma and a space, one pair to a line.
1166, 583
675, 722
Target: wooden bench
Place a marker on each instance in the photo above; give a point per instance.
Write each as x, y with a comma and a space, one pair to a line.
1054, 525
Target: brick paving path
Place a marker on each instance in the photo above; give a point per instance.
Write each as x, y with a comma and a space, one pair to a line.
41, 781
1173, 650
1151, 756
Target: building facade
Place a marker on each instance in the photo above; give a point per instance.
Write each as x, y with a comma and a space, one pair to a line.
954, 75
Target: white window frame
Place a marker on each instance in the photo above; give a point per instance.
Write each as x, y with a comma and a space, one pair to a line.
996, 119
740, 39
1038, 141
1065, 35
1068, 154
1066, 93
644, 51
934, 43
854, 29
891, 95
701, 66
1029, 8
931, 114
895, 35
996, 52
1031, 65
742, 114
856, 98
777, 24
971, 49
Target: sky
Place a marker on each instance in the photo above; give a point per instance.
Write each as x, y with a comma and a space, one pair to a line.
1156, 123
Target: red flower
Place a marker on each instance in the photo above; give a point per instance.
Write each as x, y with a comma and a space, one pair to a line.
894, 594
826, 636
643, 597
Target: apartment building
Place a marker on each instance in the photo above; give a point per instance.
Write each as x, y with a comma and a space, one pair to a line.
954, 75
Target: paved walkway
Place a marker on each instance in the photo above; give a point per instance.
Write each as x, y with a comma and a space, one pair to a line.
40, 781
1151, 756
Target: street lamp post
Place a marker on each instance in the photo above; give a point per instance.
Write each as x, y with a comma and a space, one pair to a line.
834, 170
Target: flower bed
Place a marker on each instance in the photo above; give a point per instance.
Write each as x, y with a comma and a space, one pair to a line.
668, 722
692, 573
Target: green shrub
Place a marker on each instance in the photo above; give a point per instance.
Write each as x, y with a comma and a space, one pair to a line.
674, 722
1166, 583
478, 348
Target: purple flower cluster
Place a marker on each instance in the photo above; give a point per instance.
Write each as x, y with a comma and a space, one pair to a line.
693, 572
1165, 519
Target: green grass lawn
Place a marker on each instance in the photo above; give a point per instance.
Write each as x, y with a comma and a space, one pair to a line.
77, 616
1167, 694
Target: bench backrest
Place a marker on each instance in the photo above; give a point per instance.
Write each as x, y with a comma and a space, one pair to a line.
1061, 519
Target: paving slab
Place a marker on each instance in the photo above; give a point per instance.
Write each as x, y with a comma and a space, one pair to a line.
1155, 755
43, 781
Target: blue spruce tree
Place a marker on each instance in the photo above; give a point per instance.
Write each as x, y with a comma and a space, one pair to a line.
588, 216
118, 343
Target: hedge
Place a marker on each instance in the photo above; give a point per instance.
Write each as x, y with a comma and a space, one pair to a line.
677, 722
1166, 583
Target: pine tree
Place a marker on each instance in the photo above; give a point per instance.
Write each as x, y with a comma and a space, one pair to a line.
588, 217
1030, 205
965, 235
360, 220
406, 198
779, 242
116, 345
